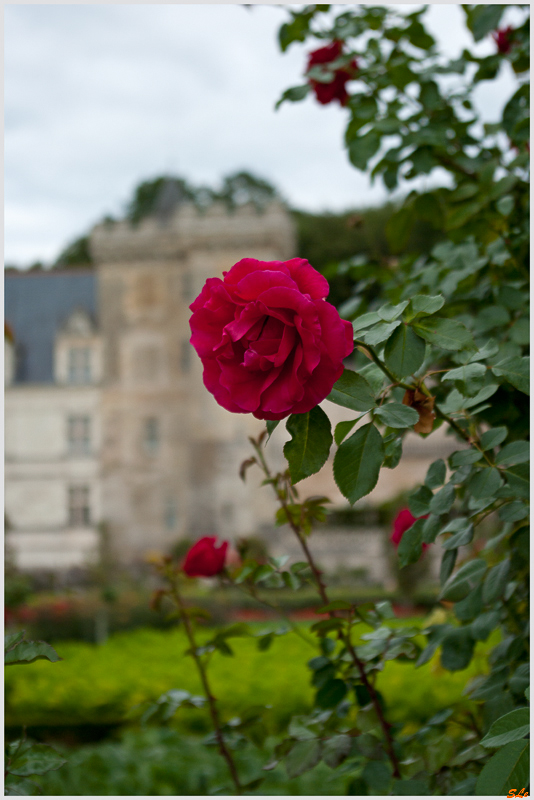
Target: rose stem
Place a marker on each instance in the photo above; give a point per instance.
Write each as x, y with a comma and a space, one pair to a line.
437, 410
321, 588
204, 678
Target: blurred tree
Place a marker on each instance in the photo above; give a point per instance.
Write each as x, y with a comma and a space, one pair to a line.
76, 254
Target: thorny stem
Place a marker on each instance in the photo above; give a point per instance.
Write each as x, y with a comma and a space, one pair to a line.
204, 679
252, 590
321, 588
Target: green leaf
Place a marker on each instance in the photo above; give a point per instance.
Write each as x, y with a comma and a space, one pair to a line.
404, 352
352, 391
513, 512
484, 624
302, 757
28, 652
466, 373
431, 529
365, 321
508, 768
445, 333
442, 501
481, 20
397, 415
436, 473
495, 582
294, 94
357, 463
485, 483
12, 639
516, 370
362, 148
464, 581
463, 534
518, 478
493, 437
457, 649
399, 228
513, 453
310, 445
331, 693
409, 550
462, 457
510, 728
336, 749
447, 565
419, 501
35, 759
271, 425
381, 332
410, 788
389, 312
377, 774
505, 205
342, 429
424, 305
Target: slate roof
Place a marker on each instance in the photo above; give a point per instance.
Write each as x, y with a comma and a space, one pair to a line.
37, 305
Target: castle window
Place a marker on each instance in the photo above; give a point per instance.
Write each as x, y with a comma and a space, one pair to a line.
79, 512
79, 435
79, 365
151, 436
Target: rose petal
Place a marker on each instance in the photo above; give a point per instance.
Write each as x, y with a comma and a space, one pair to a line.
308, 280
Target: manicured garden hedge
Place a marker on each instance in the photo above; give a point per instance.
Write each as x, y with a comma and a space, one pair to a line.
99, 684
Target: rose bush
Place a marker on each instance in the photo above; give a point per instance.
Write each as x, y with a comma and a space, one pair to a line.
270, 343
204, 559
327, 91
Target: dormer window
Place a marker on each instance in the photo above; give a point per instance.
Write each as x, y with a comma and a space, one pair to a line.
79, 365
78, 351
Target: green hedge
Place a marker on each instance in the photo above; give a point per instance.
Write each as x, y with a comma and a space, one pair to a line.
99, 684
159, 761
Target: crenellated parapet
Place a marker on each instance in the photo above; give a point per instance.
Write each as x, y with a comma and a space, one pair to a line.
190, 228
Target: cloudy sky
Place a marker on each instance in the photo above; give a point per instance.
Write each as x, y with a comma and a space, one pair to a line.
100, 97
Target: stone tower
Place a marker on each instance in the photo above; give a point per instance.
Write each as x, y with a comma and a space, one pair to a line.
170, 454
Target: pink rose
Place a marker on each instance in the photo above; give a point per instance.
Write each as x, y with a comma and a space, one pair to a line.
204, 560
269, 342
403, 521
335, 90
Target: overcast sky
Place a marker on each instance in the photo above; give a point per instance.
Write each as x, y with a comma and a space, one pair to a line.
100, 97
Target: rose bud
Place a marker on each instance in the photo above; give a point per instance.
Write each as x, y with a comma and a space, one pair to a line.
503, 39
335, 89
269, 342
204, 560
403, 521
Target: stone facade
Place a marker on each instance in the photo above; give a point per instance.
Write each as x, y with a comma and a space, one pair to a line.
163, 458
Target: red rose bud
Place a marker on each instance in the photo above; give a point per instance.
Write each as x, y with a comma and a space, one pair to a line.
269, 342
503, 39
334, 90
204, 560
403, 521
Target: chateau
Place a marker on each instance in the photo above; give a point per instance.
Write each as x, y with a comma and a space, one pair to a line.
108, 425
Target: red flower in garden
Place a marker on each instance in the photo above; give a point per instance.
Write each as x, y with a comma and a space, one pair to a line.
204, 560
503, 39
335, 90
404, 520
269, 342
